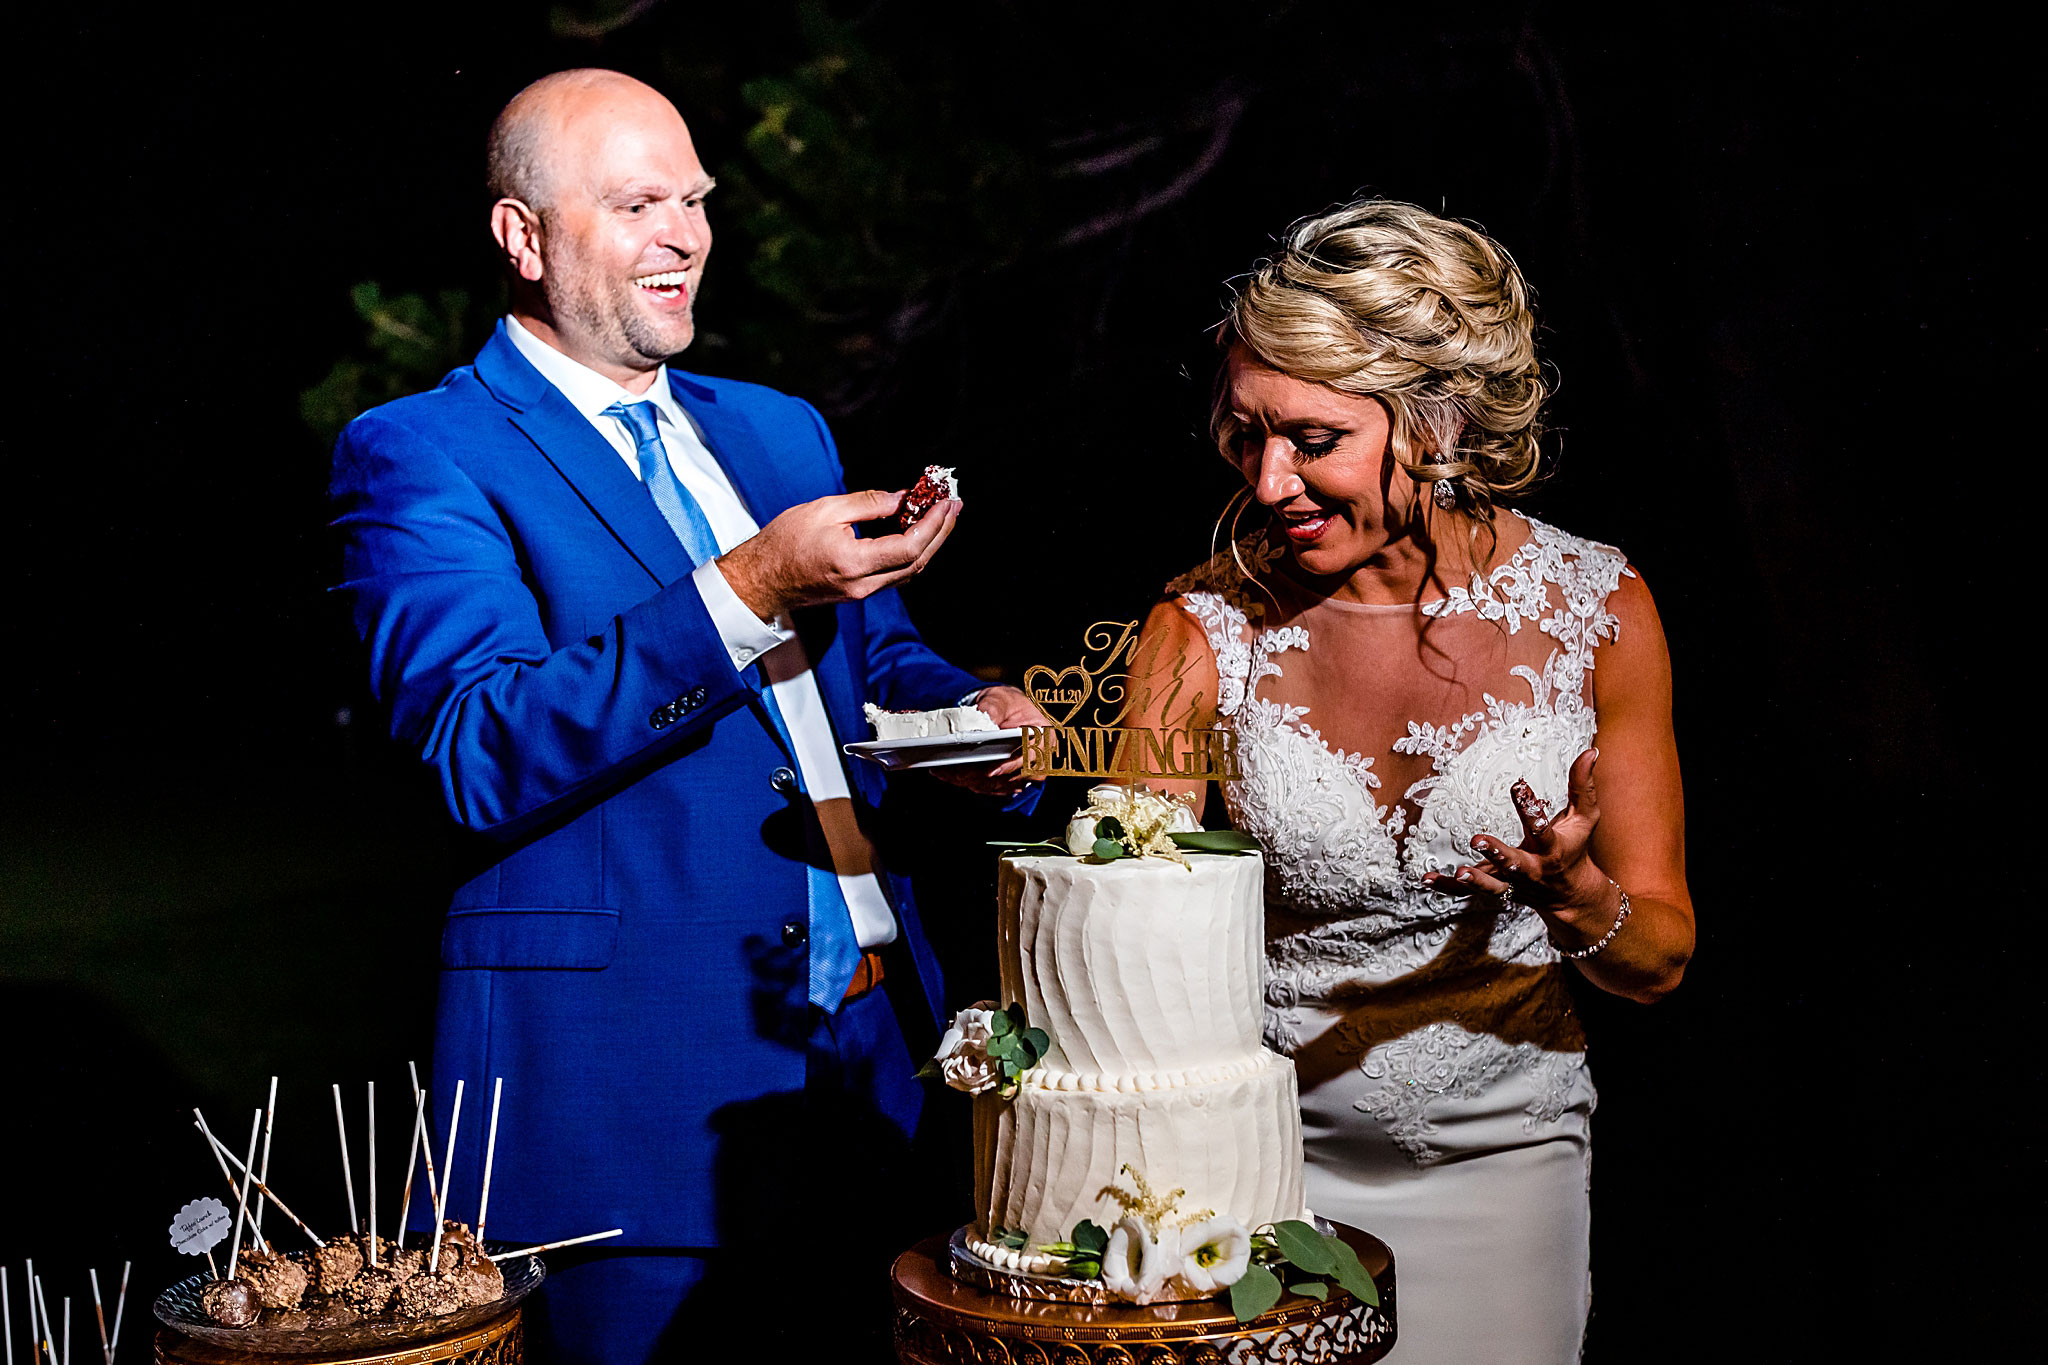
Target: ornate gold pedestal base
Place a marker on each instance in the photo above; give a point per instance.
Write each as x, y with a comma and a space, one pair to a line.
941, 1321
498, 1343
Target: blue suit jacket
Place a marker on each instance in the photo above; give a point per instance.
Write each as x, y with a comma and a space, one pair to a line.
617, 951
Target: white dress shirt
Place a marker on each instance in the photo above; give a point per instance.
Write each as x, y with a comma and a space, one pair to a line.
748, 639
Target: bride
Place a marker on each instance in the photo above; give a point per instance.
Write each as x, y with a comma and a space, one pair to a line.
1456, 804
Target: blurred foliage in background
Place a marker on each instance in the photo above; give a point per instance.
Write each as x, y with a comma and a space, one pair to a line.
409, 342
856, 199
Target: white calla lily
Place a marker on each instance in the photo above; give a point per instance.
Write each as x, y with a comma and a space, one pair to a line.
1214, 1254
1139, 1263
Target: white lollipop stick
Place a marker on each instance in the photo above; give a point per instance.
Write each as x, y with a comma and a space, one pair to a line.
99, 1313
67, 1311
490, 1150
347, 1179
120, 1302
412, 1161
433, 1188
282, 1207
49, 1347
242, 1205
6, 1316
565, 1242
263, 1171
234, 1190
447, 1174
373, 1173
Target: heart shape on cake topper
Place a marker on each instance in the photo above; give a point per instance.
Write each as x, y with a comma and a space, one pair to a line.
1051, 690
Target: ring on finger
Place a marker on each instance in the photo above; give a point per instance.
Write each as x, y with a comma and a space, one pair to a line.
1507, 899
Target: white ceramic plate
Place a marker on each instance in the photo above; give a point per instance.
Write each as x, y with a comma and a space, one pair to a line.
941, 751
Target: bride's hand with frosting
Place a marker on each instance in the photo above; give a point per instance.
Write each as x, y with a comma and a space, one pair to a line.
1572, 870
1552, 871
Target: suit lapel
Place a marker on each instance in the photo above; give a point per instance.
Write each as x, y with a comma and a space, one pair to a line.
750, 467
583, 458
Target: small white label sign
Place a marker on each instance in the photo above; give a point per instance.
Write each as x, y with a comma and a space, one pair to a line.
201, 1226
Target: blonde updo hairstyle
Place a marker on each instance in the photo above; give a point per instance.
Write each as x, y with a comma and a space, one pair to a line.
1433, 318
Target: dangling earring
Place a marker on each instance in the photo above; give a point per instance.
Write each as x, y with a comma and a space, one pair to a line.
1445, 493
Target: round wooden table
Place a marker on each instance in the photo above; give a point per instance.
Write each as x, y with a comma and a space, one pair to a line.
941, 1321
496, 1343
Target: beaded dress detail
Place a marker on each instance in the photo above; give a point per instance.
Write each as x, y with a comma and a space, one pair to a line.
1375, 742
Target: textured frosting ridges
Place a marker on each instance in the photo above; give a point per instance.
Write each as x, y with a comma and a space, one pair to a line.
1139, 968
1043, 1158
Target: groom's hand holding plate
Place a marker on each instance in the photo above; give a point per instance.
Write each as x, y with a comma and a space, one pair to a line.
1010, 709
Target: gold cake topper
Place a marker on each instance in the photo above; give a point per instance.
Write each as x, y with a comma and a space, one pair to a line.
1089, 704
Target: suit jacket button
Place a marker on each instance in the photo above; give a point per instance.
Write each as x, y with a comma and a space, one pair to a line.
658, 719
794, 933
783, 780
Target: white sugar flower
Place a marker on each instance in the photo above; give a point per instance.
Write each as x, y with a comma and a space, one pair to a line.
1139, 1263
963, 1052
1214, 1254
972, 1072
1081, 834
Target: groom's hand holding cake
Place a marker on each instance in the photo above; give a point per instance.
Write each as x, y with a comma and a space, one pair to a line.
811, 556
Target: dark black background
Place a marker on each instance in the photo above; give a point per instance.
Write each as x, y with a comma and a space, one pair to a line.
1786, 285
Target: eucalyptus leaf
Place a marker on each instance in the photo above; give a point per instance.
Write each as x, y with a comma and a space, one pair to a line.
1038, 1040
1215, 841
1015, 1013
1351, 1273
999, 1024
1306, 1248
1005, 1047
1315, 1289
1015, 1240
1089, 1236
1109, 850
1257, 1290
1109, 827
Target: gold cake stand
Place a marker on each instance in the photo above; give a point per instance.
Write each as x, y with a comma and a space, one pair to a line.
500, 1342
941, 1320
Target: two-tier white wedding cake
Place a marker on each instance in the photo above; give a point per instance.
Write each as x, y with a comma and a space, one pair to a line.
1144, 974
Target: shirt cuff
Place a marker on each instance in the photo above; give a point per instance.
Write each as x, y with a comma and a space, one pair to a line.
746, 636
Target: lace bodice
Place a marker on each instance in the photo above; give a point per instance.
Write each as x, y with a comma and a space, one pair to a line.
1451, 701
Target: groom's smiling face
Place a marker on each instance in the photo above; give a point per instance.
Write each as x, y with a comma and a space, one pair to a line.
623, 235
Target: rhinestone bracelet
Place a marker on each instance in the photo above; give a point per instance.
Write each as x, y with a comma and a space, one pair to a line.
1606, 938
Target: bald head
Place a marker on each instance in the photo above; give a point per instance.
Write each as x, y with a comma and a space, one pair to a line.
600, 214
539, 128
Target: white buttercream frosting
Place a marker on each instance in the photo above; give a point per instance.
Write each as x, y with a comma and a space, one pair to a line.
1137, 967
948, 720
1146, 976
1234, 1147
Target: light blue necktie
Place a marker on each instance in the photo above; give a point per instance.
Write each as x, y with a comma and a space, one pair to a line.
835, 952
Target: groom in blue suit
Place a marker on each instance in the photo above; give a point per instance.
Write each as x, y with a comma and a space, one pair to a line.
625, 618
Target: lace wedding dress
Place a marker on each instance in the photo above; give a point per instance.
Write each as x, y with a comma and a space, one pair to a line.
1445, 1096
